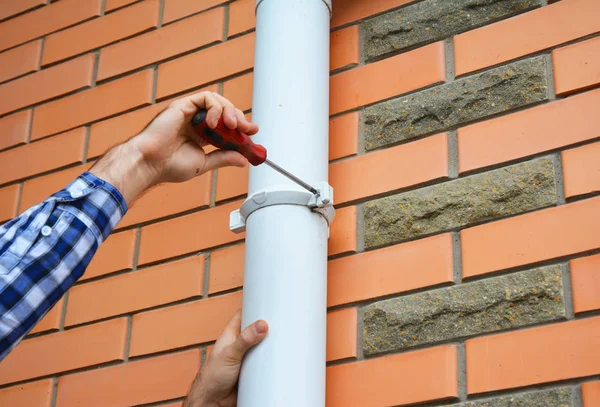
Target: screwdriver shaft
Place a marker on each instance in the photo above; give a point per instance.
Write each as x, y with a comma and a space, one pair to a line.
291, 176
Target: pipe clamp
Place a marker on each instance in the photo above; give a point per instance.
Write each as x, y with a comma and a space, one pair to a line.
284, 195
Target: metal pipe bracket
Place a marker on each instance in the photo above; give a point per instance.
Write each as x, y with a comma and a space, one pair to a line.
322, 203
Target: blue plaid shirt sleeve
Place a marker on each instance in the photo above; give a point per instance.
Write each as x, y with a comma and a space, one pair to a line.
46, 249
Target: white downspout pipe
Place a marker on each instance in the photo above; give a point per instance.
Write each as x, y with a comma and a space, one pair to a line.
285, 281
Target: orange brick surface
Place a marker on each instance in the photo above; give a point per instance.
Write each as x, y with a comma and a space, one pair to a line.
546, 234
15, 129
384, 79
47, 84
543, 128
9, 199
138, 382
343, 135
536, 355
67, 148
105, 30
546, 27
50, 322
390, 270
20, 61
226, 269
581, 167
112, 5
585, 279
54, 353
341, 334
242, 16
345, 48
10, 8
377, 382
342, 237
36, 394
239, 91
94, 104
182, 325
46, 20
590, 393
232, 182
115, 254
176, 9
135, 291
347, 11
158, 45
577, 66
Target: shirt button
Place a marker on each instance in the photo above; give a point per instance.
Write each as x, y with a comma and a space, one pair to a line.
46, 230
76, 194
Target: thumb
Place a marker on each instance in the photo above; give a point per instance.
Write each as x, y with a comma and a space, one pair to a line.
249, 337
223, 158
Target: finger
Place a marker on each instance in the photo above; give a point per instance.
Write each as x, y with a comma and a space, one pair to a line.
229, 115
224, 158
248, 338
189, 105
215, 109
230, 332
244, 125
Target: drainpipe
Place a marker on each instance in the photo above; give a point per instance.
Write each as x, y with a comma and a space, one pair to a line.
287, 227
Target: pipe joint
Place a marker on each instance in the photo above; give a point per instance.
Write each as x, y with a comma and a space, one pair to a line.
322, 203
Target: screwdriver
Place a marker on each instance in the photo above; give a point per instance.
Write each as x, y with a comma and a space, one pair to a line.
227, 139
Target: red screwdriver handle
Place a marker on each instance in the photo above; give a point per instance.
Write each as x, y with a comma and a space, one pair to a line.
226, 139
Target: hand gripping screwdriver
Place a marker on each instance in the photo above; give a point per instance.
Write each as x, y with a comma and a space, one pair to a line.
227, 139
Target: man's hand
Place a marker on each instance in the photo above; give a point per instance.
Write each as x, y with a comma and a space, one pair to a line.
215, 385
168, 149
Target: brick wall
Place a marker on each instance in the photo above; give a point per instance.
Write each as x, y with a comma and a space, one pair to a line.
465, 265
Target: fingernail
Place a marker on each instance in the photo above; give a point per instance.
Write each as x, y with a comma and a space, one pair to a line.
261, 327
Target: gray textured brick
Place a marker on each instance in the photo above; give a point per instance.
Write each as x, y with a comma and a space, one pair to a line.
498, 90
432, 20
449, 205
480, 307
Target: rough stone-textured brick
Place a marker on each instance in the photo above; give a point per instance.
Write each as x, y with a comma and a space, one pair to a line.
504, 302
501, 192
497, 90
561, 397
433, 20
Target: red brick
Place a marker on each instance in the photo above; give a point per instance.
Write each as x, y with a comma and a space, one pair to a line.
239, 91
342, 326
158, 45
187, 234
347, 11
538, 355
38, 189
20, 61
62, 351
226, 269
132, 292
343, 232
51, 321
93, 104
542, 128
42, 156
590, 393
581, 168
46, 20
9, 199
182, 325
343, 135
176, 9
585, 279
392, 76
108, 133
10, 8
102, 31
242, 16
576, 67
414, 377
192, 71
531, 238
47, 84
232, 182
133, 383
15, 129
115, 254
116, 4
36, 394
391, 270
543, 28
369, 174
169, 199
345, 48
